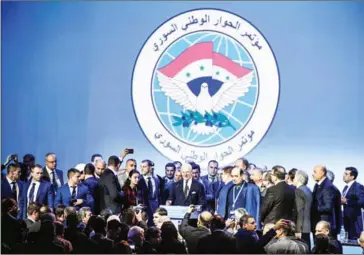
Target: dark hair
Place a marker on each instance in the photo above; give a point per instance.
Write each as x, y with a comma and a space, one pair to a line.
131, 173
36, 165
124, 229
170, 165
29, 156
244, 220
228, 169
149, 162
195, 166
12, 167
128, 217
322, 244
59, 210
94, 156
292, 173
161, 211
279, 172
130, 159
353, 171
49, 153
217, 222
168, 231
113, 161
89, 169
177, 162
287, 226
59, 228
72, 172
152, 232
213, 161
99, 226
33, 207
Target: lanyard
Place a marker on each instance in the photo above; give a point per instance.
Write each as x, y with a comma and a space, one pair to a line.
235, 198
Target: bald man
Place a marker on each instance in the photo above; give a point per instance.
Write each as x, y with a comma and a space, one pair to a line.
323, 201
191, 234
187, 191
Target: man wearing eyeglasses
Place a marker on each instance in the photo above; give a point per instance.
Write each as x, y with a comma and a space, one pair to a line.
50, 171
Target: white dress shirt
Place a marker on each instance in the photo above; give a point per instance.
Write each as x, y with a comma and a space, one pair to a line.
319, 183
349, 186
189, 183
50, 173
36, 188
16, 186
71, 189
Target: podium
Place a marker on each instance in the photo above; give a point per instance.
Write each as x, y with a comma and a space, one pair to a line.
176, 213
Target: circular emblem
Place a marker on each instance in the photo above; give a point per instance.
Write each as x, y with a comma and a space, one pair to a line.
205, 87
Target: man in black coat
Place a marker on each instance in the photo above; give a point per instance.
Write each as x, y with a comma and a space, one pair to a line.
191, 234
324, 199
218, 242
187, 191
110, 191
279, 201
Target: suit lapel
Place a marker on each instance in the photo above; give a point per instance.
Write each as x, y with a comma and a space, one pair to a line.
39, 191
350, 190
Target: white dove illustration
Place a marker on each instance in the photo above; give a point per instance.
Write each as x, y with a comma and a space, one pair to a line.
228, 93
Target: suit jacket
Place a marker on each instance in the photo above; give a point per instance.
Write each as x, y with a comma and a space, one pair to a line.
59, 173
211, 190
323, 204
63, 196
111, 195
217, 243
151, 201
353, 221
278, 203
303, 203
338, 212
45, 196
191, 234
105, 244
6, 189
167, 185
250, 242
222, 200
196, 194
92, 184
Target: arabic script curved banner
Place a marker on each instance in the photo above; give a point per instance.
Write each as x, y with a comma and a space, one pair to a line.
205, 87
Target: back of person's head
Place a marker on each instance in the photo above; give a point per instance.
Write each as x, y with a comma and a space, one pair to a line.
204, 219
161, 211
106, 213
122, 247
44, 209
322, 244
128, 217
33, 207
114, 161
72, 221
99, 226
301, 178
47, 217
330, 175
89, 169
70, 210
135, 234
124, 230
292, 174
153, 235
288, 227
279, 172
59, 211
168, 231
47, 231
217, 223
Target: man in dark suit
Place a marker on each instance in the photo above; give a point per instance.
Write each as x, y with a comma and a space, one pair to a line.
323, 200
11, 186
168, 180
192, 234
303, 202
324, 228
51, 173
111, 196
92, 183
213, 184
218, 242
151, 188
73, 193
353, 202
279, 201
36, 190
187, 191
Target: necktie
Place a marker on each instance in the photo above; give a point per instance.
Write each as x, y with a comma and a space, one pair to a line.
186, 190
345, 190
73, 195
54, 178
31, 193
150, 187
13, 190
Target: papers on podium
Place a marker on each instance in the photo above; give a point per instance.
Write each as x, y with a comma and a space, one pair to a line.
177, 212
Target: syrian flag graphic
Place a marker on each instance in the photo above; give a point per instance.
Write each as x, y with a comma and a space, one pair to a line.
204, 82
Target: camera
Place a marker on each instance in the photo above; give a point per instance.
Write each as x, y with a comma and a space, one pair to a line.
130, 151
139, 208
14, 157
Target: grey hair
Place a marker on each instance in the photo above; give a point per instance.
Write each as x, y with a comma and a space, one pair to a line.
239, 213
301, 177
330, 175
82, 212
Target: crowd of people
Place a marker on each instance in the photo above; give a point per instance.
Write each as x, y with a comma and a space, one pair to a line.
103, 207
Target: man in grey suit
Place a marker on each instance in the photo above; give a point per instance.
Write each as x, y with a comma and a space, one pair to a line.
303, 203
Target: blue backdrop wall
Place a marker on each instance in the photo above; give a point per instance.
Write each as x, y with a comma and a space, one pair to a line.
67, 67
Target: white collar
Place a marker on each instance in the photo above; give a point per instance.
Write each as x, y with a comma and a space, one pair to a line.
349, 184
320, 182
34, 181
49, 170
10, 181
188, 182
